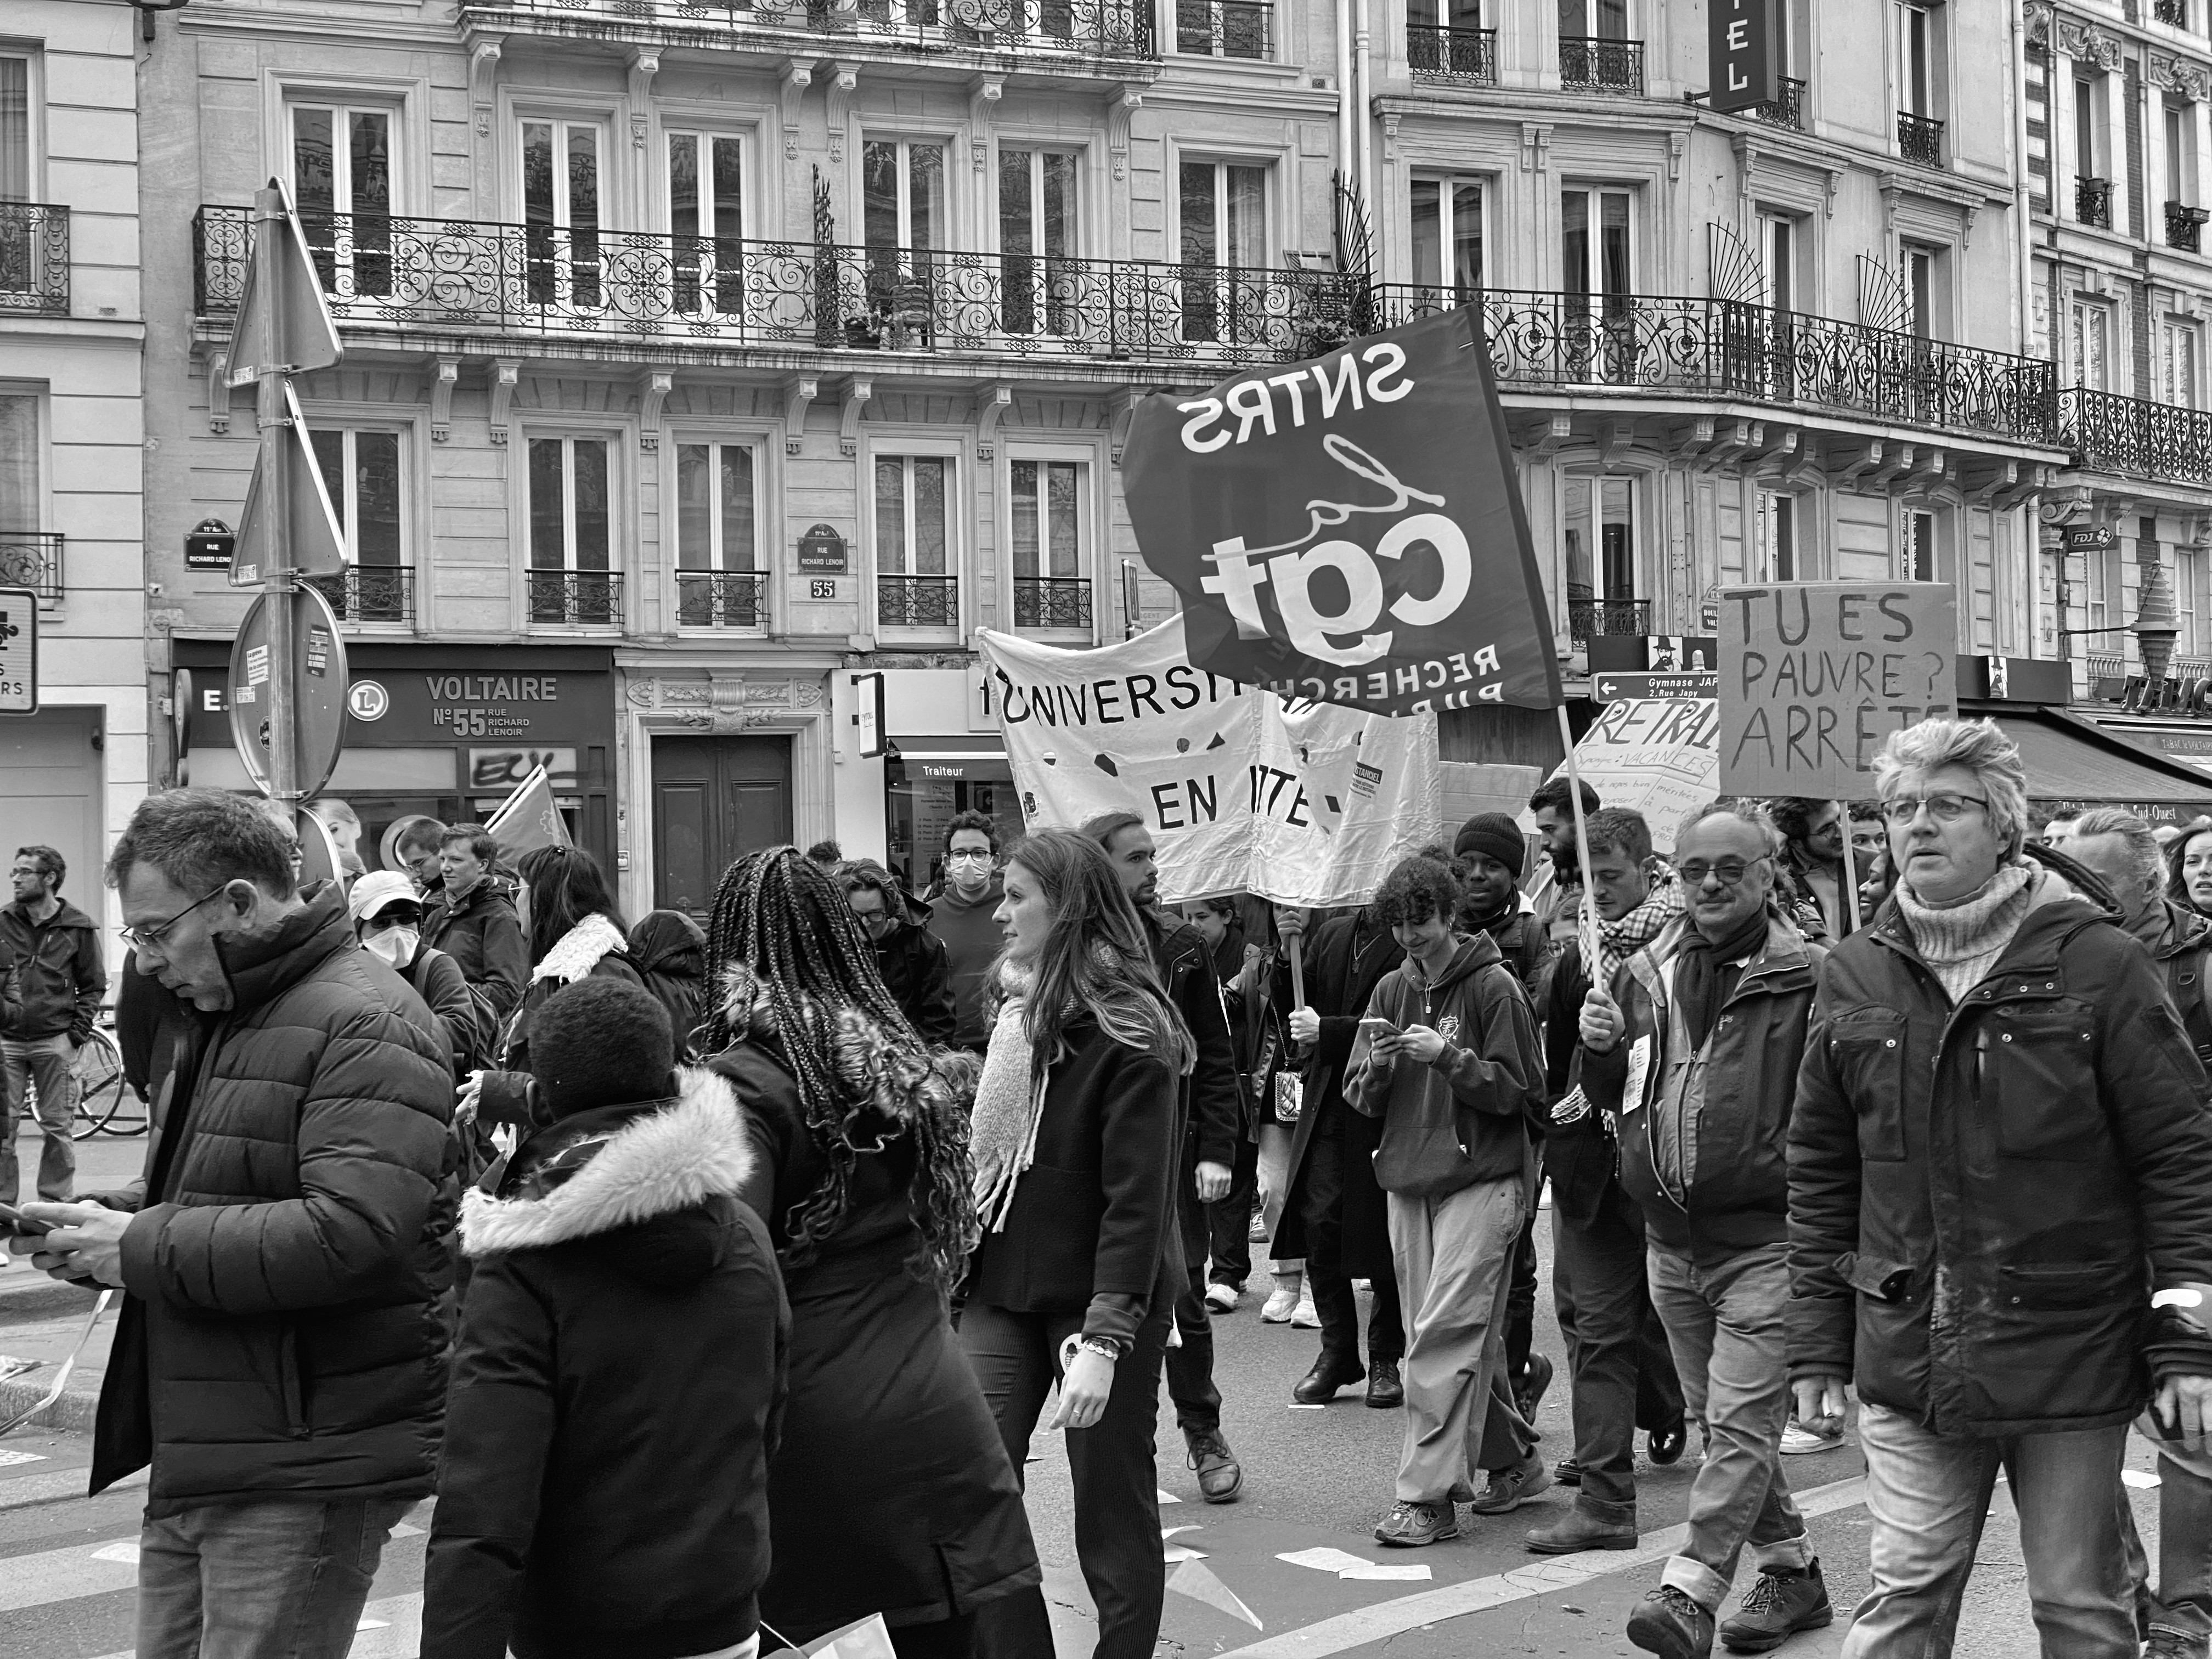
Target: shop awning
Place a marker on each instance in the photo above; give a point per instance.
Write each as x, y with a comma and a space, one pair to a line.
2075, 762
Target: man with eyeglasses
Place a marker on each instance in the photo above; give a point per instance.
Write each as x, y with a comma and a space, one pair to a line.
911, 958
2000, 1189
1695, 1050
961, 906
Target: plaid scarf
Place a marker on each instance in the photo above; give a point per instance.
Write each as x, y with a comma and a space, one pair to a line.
1619, 940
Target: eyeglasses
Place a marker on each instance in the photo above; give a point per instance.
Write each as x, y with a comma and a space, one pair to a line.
874, 921
1944, 807
1728, 871
135, 937
967, 857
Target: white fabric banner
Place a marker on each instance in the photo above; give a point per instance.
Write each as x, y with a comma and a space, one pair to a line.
1303, 802
1659, 756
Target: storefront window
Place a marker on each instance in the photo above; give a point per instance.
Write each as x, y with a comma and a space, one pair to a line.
918, 807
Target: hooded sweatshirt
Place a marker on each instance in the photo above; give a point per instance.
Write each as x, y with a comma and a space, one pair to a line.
972, 941
1469, 1116
594, 1504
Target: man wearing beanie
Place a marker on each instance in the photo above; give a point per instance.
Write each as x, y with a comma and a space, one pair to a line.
593, 1505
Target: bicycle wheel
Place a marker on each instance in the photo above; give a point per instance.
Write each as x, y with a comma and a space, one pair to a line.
100, 1088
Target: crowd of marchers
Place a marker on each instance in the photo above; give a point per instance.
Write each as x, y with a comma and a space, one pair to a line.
716, 1280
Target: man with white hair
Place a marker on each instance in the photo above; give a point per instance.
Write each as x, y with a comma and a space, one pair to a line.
2000, 1188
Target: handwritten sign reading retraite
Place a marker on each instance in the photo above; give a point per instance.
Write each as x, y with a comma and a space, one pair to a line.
1815, 675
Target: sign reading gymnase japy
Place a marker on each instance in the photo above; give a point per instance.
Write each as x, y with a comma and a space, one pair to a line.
1350, 529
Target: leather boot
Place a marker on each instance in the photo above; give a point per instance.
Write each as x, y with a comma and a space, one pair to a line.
1319, 1386
1386, 1389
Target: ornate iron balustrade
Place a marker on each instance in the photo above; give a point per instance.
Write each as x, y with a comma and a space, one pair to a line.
1589, 616
1082, 29
2173, 12
2184, 227
33, 559
1754, 354
1463, 54
1225, 28
1051, 602
34, 258
370, 593
1920, 138
621, 285
2109, 433
1786, 108
575, 597
721, 599
917, 601
1589, 64
2093, 202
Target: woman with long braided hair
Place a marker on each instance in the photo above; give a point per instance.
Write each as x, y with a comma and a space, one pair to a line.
890, 1492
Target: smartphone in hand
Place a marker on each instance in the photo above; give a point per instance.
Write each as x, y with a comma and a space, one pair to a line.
23, 1226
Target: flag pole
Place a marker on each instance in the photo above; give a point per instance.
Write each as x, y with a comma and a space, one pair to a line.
1586, 920
1848, 909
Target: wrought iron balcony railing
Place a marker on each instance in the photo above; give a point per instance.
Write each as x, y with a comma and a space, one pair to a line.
33, 559
1588, 65
34, 258
2109, 433
2184, 227
2093, 202
370, 593
917, 601
1464, 54
1076, 29
1786, 108
1920, 138
2173, 12
1225, 28
621, 285
577, 598
1755, 353
1051, 602
1589, 616
721, 599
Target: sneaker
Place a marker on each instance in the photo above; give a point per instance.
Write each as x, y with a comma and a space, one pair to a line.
1508, 1489
1670, 1623
1776, 1606
1408, 1526
2172, 1644
1282, 1303
1305, 1319
1220, 1477
1800, 1442
1533, 1382
1222, 1299
1257, 1232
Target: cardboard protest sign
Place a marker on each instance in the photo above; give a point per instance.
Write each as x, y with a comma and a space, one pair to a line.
1815, 675
1304, 804
1350, 530
1655, 755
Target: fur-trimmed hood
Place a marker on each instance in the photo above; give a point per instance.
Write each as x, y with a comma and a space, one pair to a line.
577, 951
650, 1172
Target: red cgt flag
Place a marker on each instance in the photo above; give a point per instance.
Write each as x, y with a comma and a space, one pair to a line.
528, 818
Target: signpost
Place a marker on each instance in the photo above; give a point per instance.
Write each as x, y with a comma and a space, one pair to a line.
311, 712
19, 651
1742, 53
1615, 688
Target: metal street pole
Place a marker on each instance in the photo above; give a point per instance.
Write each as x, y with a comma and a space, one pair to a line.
274, 358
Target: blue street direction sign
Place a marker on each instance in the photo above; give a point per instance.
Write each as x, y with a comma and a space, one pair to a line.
1622, 688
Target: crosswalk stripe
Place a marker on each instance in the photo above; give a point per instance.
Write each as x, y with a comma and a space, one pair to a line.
400, 1616
33, 1580
59, 1483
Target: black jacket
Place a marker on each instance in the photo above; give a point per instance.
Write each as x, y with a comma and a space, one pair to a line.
2179, 939
915, 971
1982, 1198
462, 1015
972, 941
618, 1388
1212, 1121
669, 951
484, 935
60, 976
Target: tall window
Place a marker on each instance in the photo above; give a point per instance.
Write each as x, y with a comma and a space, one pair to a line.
1594, 20
561, 211
902, 193
571, 530
1778, 251
717, 547
1920, 272
1919, 560
1222, 230
917, 582
1778, 536
2088, 148
1915, 61
342, 184
2188, 598
15, 128
1600, 522
2180, 151
2177, 352
2089, 340
1448, 236
361, 471
1047, 503
22, 499
1037, 231
1598, 257
706, 218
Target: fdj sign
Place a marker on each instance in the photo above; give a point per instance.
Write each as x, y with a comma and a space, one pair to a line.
1742, 55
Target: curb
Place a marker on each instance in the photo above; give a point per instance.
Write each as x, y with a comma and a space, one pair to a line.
32, 1295
73, 1413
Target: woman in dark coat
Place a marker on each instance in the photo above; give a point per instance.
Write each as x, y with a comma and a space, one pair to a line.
890, 1492
1076, 1148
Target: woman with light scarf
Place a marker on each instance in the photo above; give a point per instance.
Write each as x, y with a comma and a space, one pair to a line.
1075, 1140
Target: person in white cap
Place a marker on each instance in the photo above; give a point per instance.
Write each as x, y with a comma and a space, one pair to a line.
388, 918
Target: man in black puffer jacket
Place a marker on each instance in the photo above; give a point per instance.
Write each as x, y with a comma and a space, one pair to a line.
592, 1507
280, 1355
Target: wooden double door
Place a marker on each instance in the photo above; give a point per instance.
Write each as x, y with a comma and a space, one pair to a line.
714, 799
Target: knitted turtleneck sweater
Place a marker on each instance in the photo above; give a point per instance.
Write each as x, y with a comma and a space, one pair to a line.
1962, 940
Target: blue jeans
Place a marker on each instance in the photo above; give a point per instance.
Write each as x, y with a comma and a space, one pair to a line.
2183, 1604
48, 1063
1928, 1495
272, 1580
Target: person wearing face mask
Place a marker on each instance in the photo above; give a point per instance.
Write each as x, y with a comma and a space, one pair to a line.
388, 919
960, 918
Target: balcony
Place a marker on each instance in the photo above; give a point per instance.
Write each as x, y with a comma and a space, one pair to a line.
1080, 32
917, 602
2093, 202
1061, 602
2184, 227
1589, 616
575, 598
2135, 437
425, 276
1920, 139
721, 599
1469, 55
2173, 13
33, 559
370, 593
1225, 28
34, 258
1679, 346
1786, 108
1593, 65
